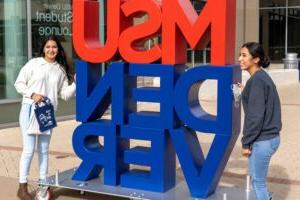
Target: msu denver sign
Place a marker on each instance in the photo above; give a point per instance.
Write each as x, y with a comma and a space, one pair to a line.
172, 130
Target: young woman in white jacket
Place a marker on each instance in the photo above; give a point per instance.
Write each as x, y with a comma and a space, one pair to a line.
46, 76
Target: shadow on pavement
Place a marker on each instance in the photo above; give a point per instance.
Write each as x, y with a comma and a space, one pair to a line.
64, 194
279, 186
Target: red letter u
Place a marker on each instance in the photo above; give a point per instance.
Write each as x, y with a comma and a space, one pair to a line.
86, 30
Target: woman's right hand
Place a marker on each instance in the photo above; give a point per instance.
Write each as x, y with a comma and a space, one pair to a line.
37, 98
241, 86
246, 152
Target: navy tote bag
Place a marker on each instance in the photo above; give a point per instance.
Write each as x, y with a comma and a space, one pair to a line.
44, 113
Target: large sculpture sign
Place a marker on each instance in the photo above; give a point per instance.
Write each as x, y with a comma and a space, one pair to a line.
173, 130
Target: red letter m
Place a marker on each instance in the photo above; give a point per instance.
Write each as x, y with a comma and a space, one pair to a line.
182, 25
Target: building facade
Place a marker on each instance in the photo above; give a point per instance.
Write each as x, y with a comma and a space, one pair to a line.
23, 26
25, 23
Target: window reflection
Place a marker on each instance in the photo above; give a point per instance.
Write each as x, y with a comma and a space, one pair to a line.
195, 57
48, 18
272, 3
272, 33
294, 30
275, 16
13, 44
294, 2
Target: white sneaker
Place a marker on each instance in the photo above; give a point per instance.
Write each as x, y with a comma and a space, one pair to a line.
43, 193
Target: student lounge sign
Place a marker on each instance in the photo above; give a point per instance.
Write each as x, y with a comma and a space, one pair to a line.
173, 130
52, 18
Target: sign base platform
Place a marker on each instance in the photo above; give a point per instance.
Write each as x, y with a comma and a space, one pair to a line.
179, 192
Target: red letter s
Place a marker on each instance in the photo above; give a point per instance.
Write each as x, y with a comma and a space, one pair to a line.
131, 41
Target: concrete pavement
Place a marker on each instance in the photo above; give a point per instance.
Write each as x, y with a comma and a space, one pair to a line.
283, 177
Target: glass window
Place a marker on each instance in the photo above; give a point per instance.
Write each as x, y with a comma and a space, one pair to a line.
272, 3
272, 33
13, 45
198, 56
294, 2
52, 18
294, 30
198, 5
279, 27
2, 68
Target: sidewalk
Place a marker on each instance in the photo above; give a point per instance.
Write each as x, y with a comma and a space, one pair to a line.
284, 173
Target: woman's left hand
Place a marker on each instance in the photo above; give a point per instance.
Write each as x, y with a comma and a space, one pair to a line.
246, 152
37, 98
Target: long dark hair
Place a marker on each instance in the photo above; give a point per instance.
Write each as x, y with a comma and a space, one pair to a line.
61, 57
257, 51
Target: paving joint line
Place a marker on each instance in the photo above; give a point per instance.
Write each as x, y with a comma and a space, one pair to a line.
225, 174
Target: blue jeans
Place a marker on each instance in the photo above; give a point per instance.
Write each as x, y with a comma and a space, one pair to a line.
29, 142
259, 161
